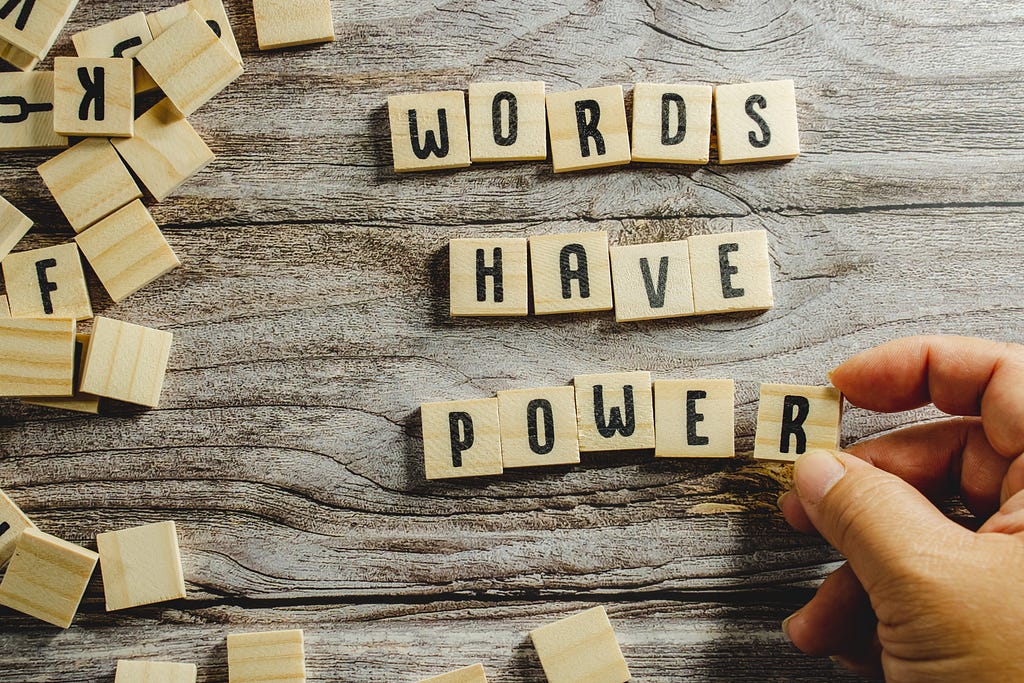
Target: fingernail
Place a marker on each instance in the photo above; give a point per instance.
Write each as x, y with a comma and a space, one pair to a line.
785, 625
815, 474
780, 499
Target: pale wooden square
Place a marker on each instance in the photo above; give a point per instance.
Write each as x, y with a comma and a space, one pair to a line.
70, 299
34, 92
40, 28
283, 23
429, 139
268, 657
47, 577
612, 392
189, 63
13, 226
530, 140
118, 97
714, 417
718, 290
546, 265
131, 671
12, 522
123, 38
581, 649
482, 458
640, 291
17, 58
462, 277
739, 133
469, 674
518, 440
127, 251
657, 104
89, 182
822, 426
211, 10
126, 362
37, 357
80, 402
563, 128
5, 308
141, 566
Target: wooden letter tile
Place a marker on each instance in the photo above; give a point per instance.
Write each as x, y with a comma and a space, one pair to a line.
694, 418
571, 273
581, 649
429, 131
89, 182
588, 128
269, 657
126, 362
672, 123
154, 672
12, 522
470, 674
731, 272
17, 58
47, 577
32, 26
538, 427
461, 439
282, 23
756, 122
80, 402
794, 419
93, 96
141, 566
13, 226
123, 38
652, 281
615, 411
127, 251
488, 277
507, 121
189, 63
5, 308
47, 283
26, 115
37, 357
210, 10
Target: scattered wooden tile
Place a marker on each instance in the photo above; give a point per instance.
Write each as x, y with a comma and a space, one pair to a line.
538, 427
32, 26
132, 671
47, 283
461, 439
652, 281
189, 63
127, 251
47, 577
731, 272
123, 38
93, 96
37, 357
672, 123
571, 273
126, 362
13, 226
89, 182
79, 402
283, 23
27, 112
756, 122
581, 649
429, 131
488, 277
211, 10
793, 419
694, 418
19, 59
588, 128
615, 411
141, 566
272, 656
470, 674
507, 121
12, 522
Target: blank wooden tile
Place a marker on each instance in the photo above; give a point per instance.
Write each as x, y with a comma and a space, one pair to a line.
189, 63
470, 674
47, 283
672, 123
210, 10
89, 182
80, 402
793, 419
12, 522
488, 277
581, 649
588, 128
17, 58
37, 357
47, 577
429, 131
123, 38
32, 26
126, 362
461, 439
756, 122
28, 114
93, 96
127, 251
141, 566
507, 121
571, 273
129, 671
652, 281
269, 657
13, 226
282, 23
614, 411
694, 418
731, 272
538, 427
5, 308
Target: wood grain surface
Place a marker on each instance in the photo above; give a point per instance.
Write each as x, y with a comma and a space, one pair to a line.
310, 321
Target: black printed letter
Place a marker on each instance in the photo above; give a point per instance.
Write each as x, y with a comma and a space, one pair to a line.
23, 16
544, 406
666, 110
483, 272
126, 45
45, 286
728, 270
463, 443
580, 273
614, 423
430, 145
94, 92
655, 295
513, 119
588, 115
693, 417
794, 413
766, 132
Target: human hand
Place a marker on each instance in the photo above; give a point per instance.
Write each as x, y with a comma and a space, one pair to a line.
922, 598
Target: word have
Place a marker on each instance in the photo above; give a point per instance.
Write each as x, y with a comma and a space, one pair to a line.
587, 128
573, 273
692, 418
